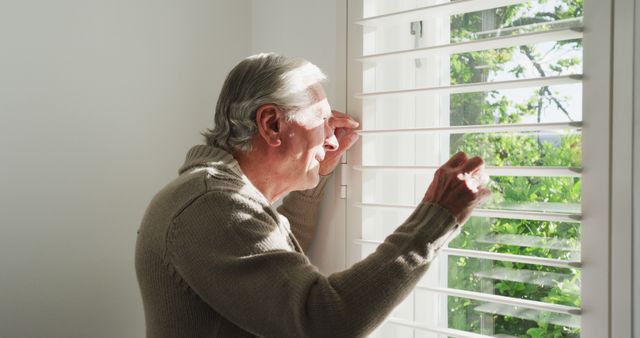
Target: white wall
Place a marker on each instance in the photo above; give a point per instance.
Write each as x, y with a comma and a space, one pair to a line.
304, 28
99, 101
316, 31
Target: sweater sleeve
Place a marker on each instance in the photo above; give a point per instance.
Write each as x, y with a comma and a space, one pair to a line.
302, 208
231, 253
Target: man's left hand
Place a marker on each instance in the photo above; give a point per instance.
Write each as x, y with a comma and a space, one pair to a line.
344, 129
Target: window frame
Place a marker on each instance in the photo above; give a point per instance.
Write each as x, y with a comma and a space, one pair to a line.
622, 157
607, 194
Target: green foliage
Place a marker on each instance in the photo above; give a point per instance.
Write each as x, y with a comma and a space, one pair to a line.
525, 149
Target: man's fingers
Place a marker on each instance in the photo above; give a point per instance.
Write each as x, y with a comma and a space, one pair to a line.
482, 195
342, 120
472, 165
456, 159
347, 140
351, 137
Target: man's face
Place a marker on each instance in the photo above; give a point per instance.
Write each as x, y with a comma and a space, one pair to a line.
307, 139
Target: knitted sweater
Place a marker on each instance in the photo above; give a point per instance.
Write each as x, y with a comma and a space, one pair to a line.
214, 259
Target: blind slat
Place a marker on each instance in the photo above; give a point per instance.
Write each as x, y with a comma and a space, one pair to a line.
558, 263
527, 314
543, 278
491, 171
529, 215
487, 128
484, 44
448, 8
440, 330
526, 303
508, 214
480, 87
550, 243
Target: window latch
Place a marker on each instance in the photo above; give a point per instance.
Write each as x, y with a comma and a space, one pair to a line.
416, 31
344, 178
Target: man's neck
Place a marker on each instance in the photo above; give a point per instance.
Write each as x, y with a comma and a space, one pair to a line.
262, 173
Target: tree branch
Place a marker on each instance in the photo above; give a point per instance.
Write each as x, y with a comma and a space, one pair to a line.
545, 90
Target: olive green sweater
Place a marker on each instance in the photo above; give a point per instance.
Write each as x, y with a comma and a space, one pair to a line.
214, 259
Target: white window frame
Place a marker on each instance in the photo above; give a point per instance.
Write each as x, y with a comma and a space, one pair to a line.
608, 109
622, 175
635, 164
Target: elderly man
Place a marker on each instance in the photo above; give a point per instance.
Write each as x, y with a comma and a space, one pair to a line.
215, 259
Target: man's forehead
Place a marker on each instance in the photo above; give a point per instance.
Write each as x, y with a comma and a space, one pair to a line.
322, 108
320, 103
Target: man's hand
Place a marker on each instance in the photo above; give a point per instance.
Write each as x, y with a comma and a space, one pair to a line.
450, 190
343, 126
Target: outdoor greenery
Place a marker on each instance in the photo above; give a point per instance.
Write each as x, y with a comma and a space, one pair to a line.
533, 282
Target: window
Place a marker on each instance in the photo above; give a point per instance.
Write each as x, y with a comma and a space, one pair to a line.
501, 79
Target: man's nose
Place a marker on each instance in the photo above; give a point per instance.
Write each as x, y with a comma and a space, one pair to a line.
330, 141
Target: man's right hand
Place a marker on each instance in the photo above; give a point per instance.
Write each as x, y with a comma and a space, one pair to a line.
452, 193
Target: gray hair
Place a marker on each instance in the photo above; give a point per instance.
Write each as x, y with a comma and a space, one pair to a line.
255, 81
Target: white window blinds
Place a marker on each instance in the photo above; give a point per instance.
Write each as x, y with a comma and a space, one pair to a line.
501, 79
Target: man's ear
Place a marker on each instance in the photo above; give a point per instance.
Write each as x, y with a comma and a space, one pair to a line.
268, 118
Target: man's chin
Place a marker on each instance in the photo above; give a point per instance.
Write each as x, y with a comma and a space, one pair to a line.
313, 178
